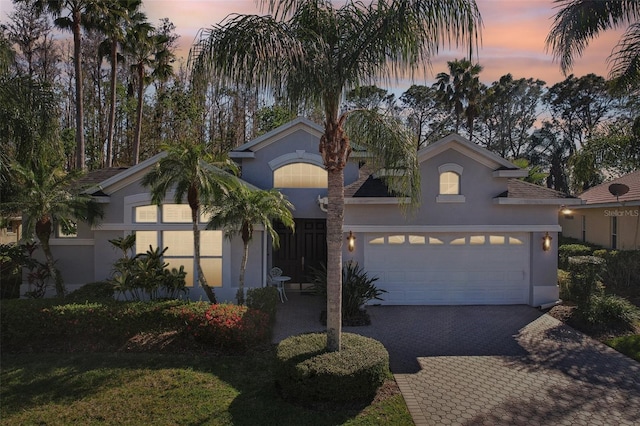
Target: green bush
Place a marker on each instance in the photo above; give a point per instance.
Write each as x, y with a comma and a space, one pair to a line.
564, 285
584, 273
227, 327
622, 268
307, 373
264, 299
55, 325
611, 311
92, 292
570, 250
357, 287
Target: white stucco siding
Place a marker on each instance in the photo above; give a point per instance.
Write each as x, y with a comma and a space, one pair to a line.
450, 268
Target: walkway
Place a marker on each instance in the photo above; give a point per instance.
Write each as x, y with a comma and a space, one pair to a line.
494, 365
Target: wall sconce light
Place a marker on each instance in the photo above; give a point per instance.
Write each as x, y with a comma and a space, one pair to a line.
546, 242
566, 210
351, 241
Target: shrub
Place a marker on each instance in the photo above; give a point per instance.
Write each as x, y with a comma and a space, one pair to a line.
584, 272
46, 325
307, 373
611, 311
622, 268
92, 292
264, 299
225, 326
570, 250
357, 287
564, 284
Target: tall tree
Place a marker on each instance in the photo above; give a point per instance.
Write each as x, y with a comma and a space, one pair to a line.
190, 171
240, 210
580, 21
150, 58
71, 15
460, 90
46, 199
425, 113
312, 53
119, 15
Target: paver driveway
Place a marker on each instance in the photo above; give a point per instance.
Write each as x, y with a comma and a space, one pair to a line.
494, 365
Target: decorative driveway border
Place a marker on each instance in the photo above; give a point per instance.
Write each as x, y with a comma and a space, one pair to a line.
496, 365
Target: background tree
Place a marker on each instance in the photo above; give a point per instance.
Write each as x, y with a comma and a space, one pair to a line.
71, 15
460, 90
188, 170
312, 53
46, 199
425, 114
238, 211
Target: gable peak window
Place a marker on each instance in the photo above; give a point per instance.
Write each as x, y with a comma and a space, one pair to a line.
449, 184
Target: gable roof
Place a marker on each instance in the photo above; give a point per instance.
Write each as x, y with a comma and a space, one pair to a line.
521, 192
600, 194
246, 150
474, 151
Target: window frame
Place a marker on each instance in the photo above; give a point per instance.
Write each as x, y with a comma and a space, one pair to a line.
449, 169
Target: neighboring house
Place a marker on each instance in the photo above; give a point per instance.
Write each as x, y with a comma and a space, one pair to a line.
476, 238
606, 219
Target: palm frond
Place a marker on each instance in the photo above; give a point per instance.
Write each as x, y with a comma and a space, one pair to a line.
625, 69
579, 21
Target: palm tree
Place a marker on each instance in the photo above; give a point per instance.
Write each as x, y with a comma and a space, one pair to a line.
579, 21
460, 89
148, 49
46, 199
311, 53
189, 170
239, 210
120, 14
72, 15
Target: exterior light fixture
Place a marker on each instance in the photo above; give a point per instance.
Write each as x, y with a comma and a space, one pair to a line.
351, 241
566, 210
546, 242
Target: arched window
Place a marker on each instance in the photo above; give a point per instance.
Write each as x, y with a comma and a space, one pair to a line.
300, 175
449, 183
450, 188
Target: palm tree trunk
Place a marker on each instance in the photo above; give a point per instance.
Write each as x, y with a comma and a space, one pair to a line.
243, 268
43, 232
136, 139
202, 280
335, 216
112, 106
77, 62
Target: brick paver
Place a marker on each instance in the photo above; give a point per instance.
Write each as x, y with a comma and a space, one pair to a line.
493, 365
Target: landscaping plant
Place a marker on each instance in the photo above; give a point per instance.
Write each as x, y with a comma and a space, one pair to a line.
357, 288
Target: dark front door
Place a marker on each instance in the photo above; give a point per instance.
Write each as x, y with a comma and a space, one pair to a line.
303, 250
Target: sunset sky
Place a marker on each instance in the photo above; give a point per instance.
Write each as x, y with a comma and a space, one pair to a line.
512, 38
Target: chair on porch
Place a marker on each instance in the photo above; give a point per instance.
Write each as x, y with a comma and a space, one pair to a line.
276, 279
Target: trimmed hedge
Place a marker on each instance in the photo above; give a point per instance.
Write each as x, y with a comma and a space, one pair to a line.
307, 373
263, 299
570, 250
54, 325
611, 311
623, 268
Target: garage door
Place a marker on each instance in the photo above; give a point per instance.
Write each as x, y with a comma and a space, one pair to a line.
450, 269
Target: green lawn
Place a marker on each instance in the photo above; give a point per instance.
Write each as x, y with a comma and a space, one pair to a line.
134, 388
628, 345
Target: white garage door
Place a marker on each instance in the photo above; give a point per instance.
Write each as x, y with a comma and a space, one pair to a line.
450, 269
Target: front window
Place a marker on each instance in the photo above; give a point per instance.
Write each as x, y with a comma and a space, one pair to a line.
449, 183
300, 175
614, 232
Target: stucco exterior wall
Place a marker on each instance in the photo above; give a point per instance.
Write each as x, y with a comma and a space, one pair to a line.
598, 221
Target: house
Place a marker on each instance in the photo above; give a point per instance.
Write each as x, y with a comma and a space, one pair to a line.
609, 215
479, 236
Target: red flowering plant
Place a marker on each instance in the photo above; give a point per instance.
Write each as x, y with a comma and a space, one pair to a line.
226, 326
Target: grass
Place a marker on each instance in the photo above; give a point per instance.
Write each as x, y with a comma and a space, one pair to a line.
628, 345
143, 388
